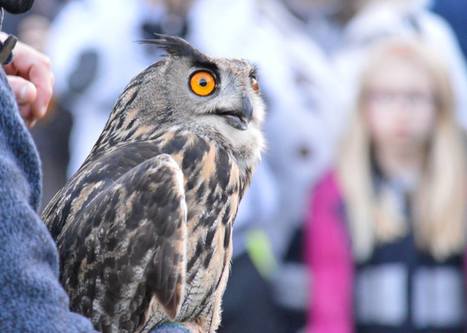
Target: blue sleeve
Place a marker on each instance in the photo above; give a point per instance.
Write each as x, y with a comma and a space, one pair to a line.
31, 298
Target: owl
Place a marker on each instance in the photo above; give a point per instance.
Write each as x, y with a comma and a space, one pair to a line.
144, 228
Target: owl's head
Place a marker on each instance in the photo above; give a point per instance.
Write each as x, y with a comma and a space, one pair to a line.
213, 96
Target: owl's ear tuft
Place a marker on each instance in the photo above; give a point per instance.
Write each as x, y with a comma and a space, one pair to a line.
176, 46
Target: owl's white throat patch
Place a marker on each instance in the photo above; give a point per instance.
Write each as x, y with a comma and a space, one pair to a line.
247, 144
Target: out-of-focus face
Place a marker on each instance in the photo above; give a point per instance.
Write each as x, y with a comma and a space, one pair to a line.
399, 105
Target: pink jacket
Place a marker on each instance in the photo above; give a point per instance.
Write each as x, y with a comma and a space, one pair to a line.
329, 257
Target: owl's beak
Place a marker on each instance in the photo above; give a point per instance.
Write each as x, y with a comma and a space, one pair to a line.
239, 119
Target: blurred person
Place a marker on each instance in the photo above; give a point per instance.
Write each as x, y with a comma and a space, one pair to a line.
386, 230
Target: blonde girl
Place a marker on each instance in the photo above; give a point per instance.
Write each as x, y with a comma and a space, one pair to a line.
386, 232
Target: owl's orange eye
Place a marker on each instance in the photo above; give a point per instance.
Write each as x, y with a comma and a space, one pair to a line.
203, 83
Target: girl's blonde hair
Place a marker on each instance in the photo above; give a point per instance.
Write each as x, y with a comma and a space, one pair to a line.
439, 201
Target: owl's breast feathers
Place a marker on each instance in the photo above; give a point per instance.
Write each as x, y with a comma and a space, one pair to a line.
147, 223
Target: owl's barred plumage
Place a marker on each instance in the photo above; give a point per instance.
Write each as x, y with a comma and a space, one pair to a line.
144, 228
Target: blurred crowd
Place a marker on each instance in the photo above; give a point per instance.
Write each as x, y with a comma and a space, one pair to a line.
356, 217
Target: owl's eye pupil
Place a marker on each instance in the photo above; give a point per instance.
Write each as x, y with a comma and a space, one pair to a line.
203, 83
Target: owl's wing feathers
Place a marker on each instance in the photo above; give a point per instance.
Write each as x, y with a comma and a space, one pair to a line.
97, 173
138, 227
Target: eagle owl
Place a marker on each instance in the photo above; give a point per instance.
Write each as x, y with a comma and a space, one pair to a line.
144, 228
